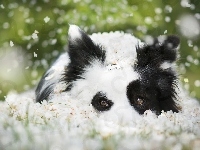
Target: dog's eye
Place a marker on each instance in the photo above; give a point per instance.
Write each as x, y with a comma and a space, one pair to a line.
140, 101
101, 103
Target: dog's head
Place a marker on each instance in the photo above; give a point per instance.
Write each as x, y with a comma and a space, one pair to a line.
115, 70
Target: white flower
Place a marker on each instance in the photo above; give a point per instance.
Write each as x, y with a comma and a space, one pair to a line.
46, 19
11, 43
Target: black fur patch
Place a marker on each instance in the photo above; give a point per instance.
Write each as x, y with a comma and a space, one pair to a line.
82, 52
40, 93
156, 87
101, 103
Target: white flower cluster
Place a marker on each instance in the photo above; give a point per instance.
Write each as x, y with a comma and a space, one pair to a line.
67, 123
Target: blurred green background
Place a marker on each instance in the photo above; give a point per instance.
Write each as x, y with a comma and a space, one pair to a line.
33, 33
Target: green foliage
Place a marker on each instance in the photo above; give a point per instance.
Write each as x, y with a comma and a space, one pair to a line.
20, 19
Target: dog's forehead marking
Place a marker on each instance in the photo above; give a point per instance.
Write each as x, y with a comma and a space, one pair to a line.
107, 76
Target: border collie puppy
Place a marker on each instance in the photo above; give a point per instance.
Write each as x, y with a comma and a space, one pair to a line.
112, 70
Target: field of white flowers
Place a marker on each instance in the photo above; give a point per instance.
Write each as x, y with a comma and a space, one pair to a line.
67, 124
33, 34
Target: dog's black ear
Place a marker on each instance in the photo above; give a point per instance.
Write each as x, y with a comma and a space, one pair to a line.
171, 41
167, 46
163, 49
82, 50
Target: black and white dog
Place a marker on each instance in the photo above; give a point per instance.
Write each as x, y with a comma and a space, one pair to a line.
110, 70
